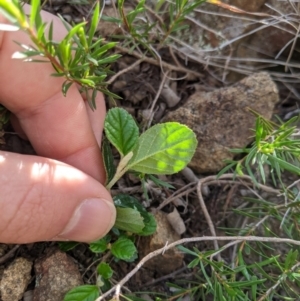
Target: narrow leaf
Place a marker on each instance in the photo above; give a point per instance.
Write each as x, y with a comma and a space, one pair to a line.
109, 59
35, 7
65, 87
94, 23
163, 149
284, 165
50, 32
13, 12
121, 130
108, 160
82, 293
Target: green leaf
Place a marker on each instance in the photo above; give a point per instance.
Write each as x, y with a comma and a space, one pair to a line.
111, 19
65, 87
83, 293
94, 23
129, 220
105, 270
283, 164
163, 149
140, 8
86, 82
109, 59
108, 160
123, 249
35, 8
160, 182
291, 259
13, 12
121, 130
103, 49
74, 30
99, 246
67, 245
150, 226
127, 201
50, 32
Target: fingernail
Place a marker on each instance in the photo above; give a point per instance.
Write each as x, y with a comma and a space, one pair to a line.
90, 221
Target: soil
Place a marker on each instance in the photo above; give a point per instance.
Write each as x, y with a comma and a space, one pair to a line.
138, 89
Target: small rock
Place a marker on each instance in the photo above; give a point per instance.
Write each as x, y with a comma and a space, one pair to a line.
171, 259
221, 120
176, 222
56, 274
15, 279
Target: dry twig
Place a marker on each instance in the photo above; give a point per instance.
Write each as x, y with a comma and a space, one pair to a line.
155, 253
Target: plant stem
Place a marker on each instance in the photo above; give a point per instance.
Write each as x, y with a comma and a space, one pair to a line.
121, 169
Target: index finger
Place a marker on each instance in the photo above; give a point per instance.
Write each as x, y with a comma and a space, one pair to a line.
57, 126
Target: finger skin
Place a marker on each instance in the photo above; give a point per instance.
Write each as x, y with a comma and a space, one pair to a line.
39, 197
44, 199
58, 127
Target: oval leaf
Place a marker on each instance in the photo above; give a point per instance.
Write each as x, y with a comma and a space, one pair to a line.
124, 201
105, 270
150, 226
123, 249
121, 130
163, 149
83, 293
129, 220
99, 245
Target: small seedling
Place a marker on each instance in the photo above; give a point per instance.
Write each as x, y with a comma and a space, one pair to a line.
276, 146
163, 149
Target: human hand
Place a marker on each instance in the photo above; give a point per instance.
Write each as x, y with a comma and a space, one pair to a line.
41, 198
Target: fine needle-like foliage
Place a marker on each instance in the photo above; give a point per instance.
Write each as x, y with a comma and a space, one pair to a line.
79, 57
276, 147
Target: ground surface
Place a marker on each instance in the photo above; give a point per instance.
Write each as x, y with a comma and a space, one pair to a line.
139, 87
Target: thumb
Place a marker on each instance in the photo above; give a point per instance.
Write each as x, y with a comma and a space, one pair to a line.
43, 199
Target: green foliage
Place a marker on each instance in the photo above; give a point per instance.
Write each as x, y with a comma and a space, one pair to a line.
100, 245
104, 270
82, 293
144, 31
78, 57
123, 248
132, 216
163, 149
67, 245
256, 270
276, 146
121, 130
84, 60
129, 220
